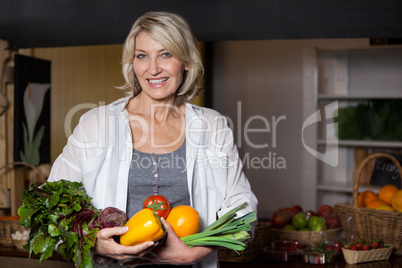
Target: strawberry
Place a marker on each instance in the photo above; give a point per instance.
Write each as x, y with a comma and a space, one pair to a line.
365, 247
375, 244
353, 247
359, 245
347, 246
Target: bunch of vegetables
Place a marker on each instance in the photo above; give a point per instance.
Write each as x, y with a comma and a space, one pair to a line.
61, 214
228, 231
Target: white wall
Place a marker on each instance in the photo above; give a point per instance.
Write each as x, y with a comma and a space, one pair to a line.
266, 77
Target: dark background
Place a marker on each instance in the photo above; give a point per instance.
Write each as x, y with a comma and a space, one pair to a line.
52, 23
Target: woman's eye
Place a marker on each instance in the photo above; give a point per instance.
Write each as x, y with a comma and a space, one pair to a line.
140, 56
166, 55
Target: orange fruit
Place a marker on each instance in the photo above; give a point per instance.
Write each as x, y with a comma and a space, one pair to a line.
387, 193
12, 218
397, 201
385, 207
366, 197
184, 220
375, 203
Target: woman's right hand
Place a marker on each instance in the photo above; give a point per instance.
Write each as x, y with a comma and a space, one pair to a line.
107, 246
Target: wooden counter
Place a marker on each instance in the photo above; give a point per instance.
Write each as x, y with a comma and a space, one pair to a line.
12, 257
262, 262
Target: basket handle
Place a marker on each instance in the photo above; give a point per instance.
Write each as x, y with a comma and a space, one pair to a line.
359, 170
23, 164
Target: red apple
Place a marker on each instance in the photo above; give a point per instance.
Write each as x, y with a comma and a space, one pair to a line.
324, 210
280, 218
293, 209
289, 211
310, 213
297, 208
333, 221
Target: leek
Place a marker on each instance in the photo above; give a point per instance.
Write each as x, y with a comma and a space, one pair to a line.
228, 231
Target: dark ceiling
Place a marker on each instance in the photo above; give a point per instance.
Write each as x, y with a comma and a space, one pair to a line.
51, 23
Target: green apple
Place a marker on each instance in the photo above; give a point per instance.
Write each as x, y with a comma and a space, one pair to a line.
316, 223
300, 220
321, 225
312, 222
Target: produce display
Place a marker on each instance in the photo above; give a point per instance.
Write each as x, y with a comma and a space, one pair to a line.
361, 250
323, 253
295, 219
369, 120
357, 251
389, 198
61, 214
282, 250
363, 244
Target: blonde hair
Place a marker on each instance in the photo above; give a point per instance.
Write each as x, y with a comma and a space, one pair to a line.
174, 34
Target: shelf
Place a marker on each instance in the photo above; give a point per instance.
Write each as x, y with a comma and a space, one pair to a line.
360, 143
358, 97
345, 187
369, 48
348, 77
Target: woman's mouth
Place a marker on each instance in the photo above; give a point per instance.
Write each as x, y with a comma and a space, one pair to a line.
157, 81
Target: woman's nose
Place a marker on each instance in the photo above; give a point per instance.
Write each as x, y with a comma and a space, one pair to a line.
154, 67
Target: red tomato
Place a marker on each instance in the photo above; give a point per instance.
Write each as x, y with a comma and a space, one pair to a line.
158, 204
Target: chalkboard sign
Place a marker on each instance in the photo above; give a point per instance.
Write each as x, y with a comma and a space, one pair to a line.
385, 172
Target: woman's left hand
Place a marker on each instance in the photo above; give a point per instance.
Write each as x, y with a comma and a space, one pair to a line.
173, 251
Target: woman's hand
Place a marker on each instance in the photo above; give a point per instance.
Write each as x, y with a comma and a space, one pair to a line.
106, 246
173, 251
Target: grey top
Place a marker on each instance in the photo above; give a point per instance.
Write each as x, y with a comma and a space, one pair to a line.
164, 174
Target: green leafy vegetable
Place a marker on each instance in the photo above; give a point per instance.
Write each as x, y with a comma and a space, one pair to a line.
375, 120
228, 231
60, 212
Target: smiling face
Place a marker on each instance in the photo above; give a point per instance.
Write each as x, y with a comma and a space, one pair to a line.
157, 71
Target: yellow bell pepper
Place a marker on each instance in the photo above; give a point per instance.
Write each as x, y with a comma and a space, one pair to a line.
143, 226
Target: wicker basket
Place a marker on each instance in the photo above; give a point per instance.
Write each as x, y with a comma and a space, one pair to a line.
254, 248
367, 223
359, 256
7, 227
308, 237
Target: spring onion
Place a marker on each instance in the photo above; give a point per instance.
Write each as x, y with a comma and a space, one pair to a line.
228, 231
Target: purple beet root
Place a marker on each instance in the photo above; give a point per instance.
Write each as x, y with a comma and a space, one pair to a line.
112, 217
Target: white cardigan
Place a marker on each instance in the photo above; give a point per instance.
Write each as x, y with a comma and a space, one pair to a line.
99, 152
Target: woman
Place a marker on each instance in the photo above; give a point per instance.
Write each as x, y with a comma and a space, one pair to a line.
108, 148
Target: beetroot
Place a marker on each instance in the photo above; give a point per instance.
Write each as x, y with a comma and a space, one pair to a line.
112, 217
